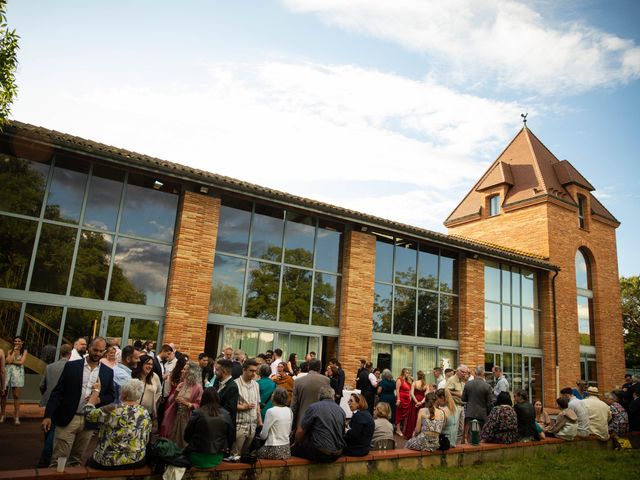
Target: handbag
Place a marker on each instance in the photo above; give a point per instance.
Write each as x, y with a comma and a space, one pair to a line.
445, 443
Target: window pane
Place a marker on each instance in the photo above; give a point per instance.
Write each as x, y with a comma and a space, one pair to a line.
249, 342
329, 247
147, 212
92, 265
103, 201
115, 329
506, 325
530, 330
427, 314
143, 330
402, 357
227, 285
516, 329
295, 301
492, 323
447, 358
425, 360
506, 284
67, 191
298, 240
265, 341
404, 311
428, 267
382, 308
40, 330
233, 337
233, 229
9, 317
405, 264
592, 372
140, 272
517, 381
448, 317
384, 260
81, 323
507, 366
584, 314
325, 299
515, 287
266, 233
16, 246
262, 290
529, 297
582, 278
448, 272
24, 176
492, 282
53, 260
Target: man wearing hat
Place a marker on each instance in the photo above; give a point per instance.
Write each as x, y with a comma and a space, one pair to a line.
599, 414
580, 392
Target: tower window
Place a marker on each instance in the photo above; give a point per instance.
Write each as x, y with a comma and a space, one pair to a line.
581, 211
494, 205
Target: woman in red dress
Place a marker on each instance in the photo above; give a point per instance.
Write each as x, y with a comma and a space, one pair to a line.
418, 391
403, 399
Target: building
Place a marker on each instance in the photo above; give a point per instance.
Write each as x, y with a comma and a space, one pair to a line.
99, 240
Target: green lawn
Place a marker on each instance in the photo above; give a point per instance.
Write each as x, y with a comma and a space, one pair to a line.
565, 465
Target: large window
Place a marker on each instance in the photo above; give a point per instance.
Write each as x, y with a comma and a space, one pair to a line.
585, 300
254, 342
413, 357
276, 265
415, 290
511, 306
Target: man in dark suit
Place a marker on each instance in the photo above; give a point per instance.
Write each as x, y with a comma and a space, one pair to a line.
65, 408
478, 395
227, 392
306, 390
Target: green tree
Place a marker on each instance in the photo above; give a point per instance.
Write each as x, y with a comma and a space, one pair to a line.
630, 296
8, 63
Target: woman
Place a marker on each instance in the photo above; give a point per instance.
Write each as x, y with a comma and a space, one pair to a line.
361, 427
267, 387
542, 418
152, 386
292, 363
124, 430
417, 394
209, 432
184, 398
428, 426
284, 380
566, 426
387, 392
110, 357
334, 377
15, 374
502, 423
619, 423
383, 427
276, 428
445, 402
403, 399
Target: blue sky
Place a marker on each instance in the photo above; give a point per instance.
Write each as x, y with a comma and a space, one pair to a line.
393, 108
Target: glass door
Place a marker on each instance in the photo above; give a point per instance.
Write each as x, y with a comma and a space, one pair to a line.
125, 329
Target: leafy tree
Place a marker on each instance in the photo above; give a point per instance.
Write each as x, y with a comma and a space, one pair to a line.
630, 296
8, 63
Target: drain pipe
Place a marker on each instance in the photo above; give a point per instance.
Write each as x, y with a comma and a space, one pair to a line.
555, 330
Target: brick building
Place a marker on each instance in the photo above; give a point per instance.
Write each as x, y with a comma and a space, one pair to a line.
99, 240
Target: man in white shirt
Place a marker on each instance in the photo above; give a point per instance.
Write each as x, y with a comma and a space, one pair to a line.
277, 358
248, 417
502, 385
579, 409
447, 374
599, 414
79, 349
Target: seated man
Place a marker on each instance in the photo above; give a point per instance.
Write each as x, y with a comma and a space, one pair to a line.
320, 435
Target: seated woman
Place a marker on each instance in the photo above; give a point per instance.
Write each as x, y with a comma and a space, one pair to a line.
566, 426
542, 418
502, 423
209, 432
276, 428
361, 427
383, 431
426, 436
124, 428
444, 401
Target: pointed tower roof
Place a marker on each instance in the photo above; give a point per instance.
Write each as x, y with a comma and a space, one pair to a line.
529, 172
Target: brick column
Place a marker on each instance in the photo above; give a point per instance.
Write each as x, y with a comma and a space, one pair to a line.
471, 333
189, 284
356, 304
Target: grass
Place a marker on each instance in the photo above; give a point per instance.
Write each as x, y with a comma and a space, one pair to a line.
569, 464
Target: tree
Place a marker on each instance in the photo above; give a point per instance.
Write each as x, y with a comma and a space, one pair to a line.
630, 296
8, 63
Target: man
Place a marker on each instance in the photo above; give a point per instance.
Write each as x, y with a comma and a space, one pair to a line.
340, 387
277, 358
68, 398
248, 418
526, 417
238, 361
319, 437
47, 384
580, 392
478, 395
168, 362
147, 348
447, 375
367, 383
578, 408
227, 389
626, 395
634, 412
306, 390
502, 385
79, 349
599, 414
227, 353
437, 375
455, 385
122, 372
207, 371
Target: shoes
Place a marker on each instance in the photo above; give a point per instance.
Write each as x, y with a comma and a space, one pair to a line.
17, 421
232, 458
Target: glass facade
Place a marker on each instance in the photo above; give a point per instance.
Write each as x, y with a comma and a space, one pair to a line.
523, 371
413, 357
254, 342
276, 265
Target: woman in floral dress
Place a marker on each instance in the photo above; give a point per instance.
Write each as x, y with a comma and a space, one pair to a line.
502, 423
429, 426
15, 374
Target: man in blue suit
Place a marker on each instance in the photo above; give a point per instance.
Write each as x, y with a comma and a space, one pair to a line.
65, 408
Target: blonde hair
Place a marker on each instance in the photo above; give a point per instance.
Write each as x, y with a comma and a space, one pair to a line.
382, 410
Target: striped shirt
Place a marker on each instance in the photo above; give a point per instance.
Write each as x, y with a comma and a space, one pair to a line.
247, 393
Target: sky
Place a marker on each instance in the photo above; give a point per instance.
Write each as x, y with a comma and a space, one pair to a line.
392, 108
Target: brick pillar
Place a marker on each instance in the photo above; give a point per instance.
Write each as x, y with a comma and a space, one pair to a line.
356, 304
471, 332
189, 285
547, 337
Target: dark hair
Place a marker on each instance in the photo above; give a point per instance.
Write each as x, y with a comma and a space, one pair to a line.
566, 391
292, 359
138, 345
562, 402
166, 348
225, 364
137, 371
504, 399
210, 402
249, 363
278, 352
334, 370
202, 355
177, 371
523, 394
127, 352
18, 337
429, 403
304, 367
65, 350
315, 365
448, 370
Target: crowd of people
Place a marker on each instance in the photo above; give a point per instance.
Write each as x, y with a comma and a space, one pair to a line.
230, 407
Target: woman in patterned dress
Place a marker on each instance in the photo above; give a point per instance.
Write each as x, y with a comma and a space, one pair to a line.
428, 427
15, 374
502, 423
124, 430
187, 397
403, 399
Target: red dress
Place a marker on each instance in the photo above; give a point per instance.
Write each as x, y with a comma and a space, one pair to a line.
412, 417
404, 396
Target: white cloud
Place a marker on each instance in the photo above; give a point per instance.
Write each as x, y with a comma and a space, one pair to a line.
501, 42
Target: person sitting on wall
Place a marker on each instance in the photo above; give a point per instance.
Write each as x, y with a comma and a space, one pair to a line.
599, 414
619, 423
526, 417
566, 426
277, 428
580, 392
382, 419
542, 418
579, 409
361, 427
502, 423
429, 425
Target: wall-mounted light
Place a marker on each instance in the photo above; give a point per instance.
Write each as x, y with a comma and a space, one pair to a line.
204, 189
157, 185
